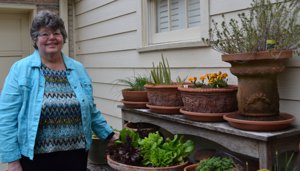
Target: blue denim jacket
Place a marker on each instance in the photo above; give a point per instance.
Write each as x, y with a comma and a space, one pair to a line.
21, 100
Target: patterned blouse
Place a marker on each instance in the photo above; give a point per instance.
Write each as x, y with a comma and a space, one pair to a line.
60, 126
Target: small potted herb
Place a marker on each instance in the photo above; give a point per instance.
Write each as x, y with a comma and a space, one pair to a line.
135, 96
214, 163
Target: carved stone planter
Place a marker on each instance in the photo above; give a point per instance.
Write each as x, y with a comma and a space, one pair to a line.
258, 97
208, 104
257, 80
165, 99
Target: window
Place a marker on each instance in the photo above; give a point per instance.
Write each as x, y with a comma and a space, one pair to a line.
173, 23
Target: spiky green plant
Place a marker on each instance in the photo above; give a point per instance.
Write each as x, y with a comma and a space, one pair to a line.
265, 21
161, 74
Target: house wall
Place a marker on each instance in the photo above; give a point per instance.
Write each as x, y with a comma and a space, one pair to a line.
108, 35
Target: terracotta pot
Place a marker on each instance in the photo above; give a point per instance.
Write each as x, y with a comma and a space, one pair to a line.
163, 95
209, 100
257, 80
142, 128
97, 151
134, 96
134, 99
123, 167
208, 104
191, 167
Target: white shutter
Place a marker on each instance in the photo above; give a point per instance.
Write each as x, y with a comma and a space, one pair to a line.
178, 14
193, 13
162, 16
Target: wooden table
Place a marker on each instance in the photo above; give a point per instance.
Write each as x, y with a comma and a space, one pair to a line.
260, 145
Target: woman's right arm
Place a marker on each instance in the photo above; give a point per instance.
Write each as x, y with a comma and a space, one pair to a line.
15, 166
10, 104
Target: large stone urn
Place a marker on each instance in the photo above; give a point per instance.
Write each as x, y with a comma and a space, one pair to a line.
258, 97
257, 80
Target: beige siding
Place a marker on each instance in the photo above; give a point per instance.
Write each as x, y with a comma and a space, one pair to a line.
108, 35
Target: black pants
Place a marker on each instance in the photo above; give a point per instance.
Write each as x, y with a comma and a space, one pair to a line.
75, 160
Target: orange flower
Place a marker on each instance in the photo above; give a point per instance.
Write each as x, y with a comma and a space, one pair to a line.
202, 77
192, 79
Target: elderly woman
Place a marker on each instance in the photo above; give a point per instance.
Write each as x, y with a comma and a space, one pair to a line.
47, 112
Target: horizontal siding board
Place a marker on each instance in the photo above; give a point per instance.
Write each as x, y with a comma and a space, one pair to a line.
289, 83
112, 43
221, 6
107, 12
108, 107
107, 28
291, 107
201, 57
86, 6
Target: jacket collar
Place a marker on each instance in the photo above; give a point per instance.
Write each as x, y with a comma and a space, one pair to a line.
37, 62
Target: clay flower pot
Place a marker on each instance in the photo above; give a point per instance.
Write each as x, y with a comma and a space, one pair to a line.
134, 99
97, 151
163, 99
208, 104
123, 167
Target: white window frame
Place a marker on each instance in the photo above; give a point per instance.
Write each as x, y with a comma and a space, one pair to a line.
190, 37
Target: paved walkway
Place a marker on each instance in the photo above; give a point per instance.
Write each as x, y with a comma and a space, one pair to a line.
91, 167
3, 167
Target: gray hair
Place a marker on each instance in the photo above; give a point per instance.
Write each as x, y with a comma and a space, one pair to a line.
48, 19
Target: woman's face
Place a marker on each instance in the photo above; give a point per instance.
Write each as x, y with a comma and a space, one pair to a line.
49, 42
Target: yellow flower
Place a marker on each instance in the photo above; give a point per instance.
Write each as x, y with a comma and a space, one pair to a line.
263, 170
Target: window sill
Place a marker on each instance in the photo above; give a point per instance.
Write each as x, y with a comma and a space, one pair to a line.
170, 46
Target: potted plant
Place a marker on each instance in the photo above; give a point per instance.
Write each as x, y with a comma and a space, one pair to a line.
217, 163
97, 151
162, 91
208, 99
152, 153
135, 96
256, 46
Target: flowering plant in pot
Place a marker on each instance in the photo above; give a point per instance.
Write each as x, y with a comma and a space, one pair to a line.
162, 91
135, 96
209, 98
150, 153
256, 46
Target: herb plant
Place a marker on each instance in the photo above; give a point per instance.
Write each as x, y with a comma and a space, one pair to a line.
216, 164
159, 153
267, 25
213, 80
136, 83
151, 151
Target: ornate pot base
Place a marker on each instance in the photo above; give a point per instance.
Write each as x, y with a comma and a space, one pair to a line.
261, 124
204, 117
164, 109
123, 167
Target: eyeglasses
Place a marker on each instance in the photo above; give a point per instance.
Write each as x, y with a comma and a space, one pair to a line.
46, 35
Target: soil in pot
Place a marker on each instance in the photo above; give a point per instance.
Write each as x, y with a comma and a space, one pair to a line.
142, 128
